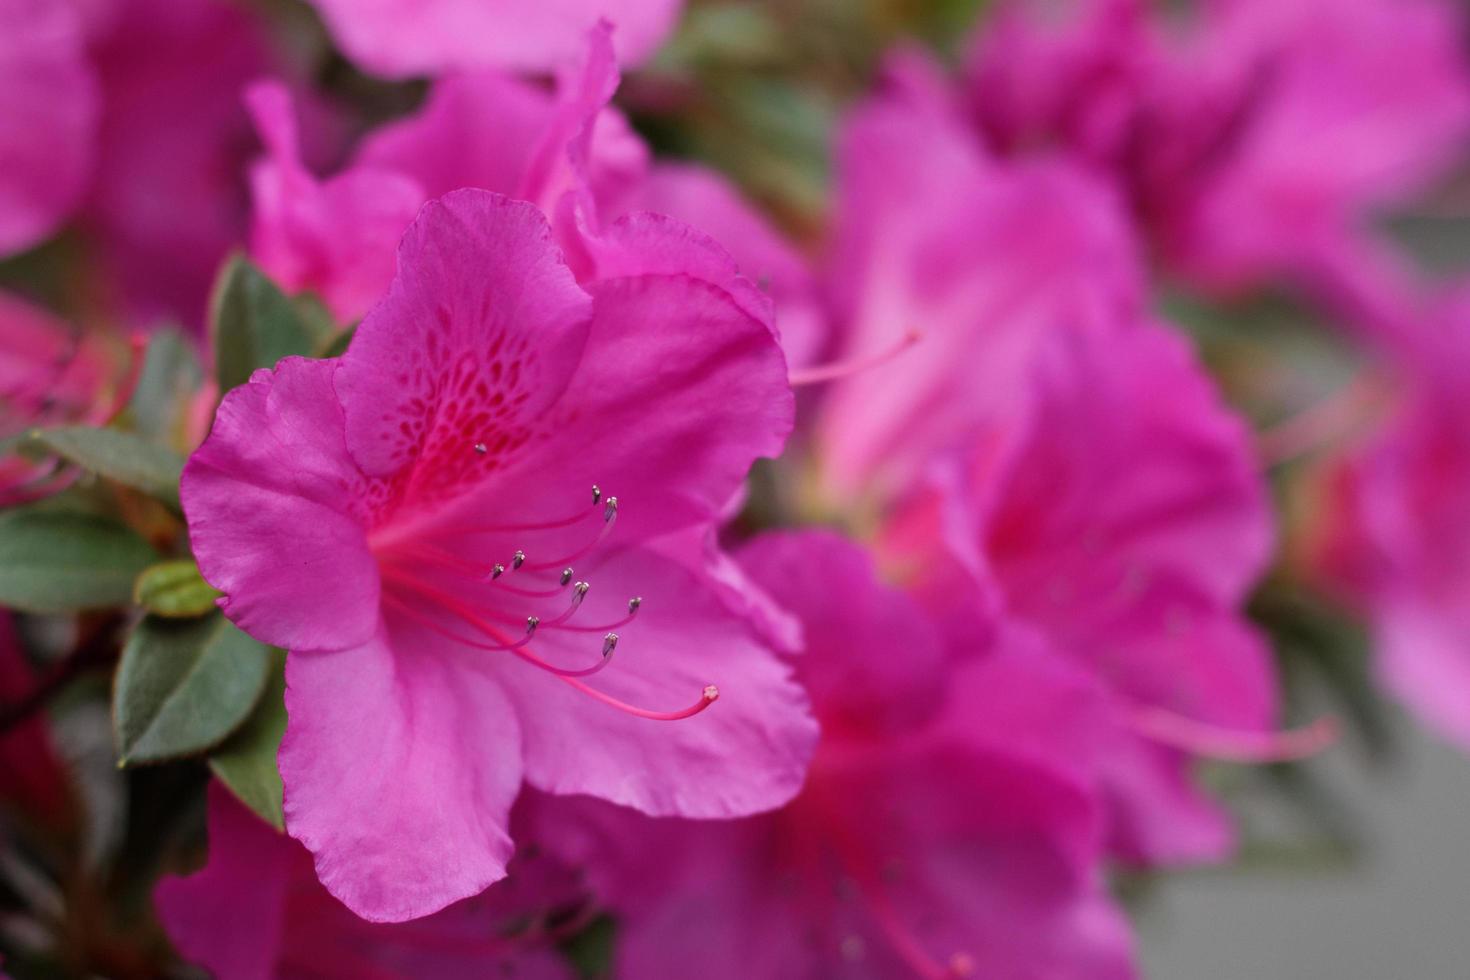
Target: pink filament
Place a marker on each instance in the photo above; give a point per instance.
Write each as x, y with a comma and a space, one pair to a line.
842, 369
570, 677
1231, 745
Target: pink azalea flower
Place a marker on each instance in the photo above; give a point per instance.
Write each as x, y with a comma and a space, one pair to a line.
921, 845
399, 38
1117, 520
1047, 467
501, 133
50, 374
256, 911
935, 238
337, 236
445, 471
1393, 537
1253, 138
168, 201
48, 117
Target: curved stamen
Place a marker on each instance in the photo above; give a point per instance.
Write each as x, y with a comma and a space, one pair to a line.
843, 369
707, 697
582, 514
570, 677
633, 605
609, 515
1232, 745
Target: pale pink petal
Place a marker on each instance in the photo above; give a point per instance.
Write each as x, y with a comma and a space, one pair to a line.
276, 512
48, 118
401, 761
934, 238
398, 38
745, 753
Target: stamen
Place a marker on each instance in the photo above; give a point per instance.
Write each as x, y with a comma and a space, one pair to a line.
609, 515
518, 559
580, 515
633, 605
857, 365
481, 448
707, 697
1231, 745
570, 677
596, 494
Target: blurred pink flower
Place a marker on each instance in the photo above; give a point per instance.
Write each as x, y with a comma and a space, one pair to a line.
336, 237
400, 38
444, 472
48, 118
1253, 136
1046, 466
50, 374
168, 199
501, 133
1392, 535
921, 845
256, 912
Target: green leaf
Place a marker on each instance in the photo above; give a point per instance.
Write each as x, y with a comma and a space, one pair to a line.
119, 456
246, 763
253, 324
56, 562
175, 589
171, 376
184, 686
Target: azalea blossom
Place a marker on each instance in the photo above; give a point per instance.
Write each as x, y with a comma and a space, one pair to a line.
445, 527
50, 374
48, 118
256, 911
168, 200
1392, 536
400, 38
1048, 467
925, 842
1254, 138
492, 130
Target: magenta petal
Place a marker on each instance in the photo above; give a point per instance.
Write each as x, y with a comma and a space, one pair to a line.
230, 916
745, 753
48, 116
708, 201
478, 335
400, 38
678, 392
335, 238
401, 761
273, 505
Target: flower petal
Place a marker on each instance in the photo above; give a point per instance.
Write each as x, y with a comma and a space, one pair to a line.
273, 502
479, 334
400, 763
746, 753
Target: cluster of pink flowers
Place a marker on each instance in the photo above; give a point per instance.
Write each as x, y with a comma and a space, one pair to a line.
537, 670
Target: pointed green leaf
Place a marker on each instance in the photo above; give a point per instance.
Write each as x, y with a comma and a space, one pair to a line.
175, 590
253, 324
171, 376
246, 762
184, 686
119, 456
54, 562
